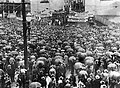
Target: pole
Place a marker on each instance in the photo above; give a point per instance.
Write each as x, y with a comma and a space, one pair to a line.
25, 40
24, 33
29, 28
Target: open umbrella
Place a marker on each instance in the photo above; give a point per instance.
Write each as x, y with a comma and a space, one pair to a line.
58, 57
67, 47
72, 58
40, 64
69, 50
3, 41
79, 36
117, 42
89, 62
58, 61
89, 53
23, 71
35, 85
21, 63
8, 47
109, 41
42, 51
41, 59
78, 65
2, 33
19, 57
112, 66
114, 75
83, 72
1, 72
58, 54
89, 58
13, 53
81, 50
108, 53
101, 48
2, 27
32, 57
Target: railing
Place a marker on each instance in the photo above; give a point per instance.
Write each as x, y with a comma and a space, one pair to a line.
103, 20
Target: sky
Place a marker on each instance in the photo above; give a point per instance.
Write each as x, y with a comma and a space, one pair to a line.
13, 0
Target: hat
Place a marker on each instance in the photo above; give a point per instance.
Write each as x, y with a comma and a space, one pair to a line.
97, 77
88, 79
106, 71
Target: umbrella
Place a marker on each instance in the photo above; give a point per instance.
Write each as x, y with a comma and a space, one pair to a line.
78, 65
83, 55
40, 63
91, 39
33, 40
42, 42
101, 48
89, 53
42, 51
89, 58
117, 42
58, 57
79, 36
8, 47
41, 59
114, 48
67, 47
21, 63
57, 54
83, 72
13, 53
89, 62
77, 46
58, 61
4, 41
81, 50
72, 58
23, 71
112, 66
109, 53
1, 72
114, 74
19, 57
2, 33
2, 27
69, 50
65, 43
35, 85
109, 41
32, 57
1, 45
29, 42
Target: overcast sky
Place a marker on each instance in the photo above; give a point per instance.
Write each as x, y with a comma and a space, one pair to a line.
13, 0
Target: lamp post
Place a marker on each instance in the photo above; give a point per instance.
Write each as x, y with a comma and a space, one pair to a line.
24, 38
24, 33
28, 18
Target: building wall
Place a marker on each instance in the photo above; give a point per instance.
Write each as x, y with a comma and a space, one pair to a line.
36, 6
102, 7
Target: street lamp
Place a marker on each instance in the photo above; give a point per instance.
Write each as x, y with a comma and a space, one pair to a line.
29, 18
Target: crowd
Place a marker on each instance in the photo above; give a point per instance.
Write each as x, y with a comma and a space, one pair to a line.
59, 57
